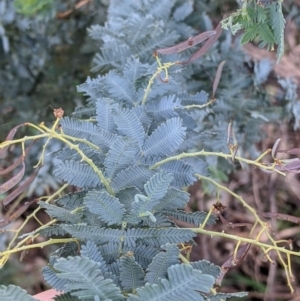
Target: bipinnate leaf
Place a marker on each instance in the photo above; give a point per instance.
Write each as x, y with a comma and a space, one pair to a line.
184, 283
225, 296
91, 251
167, 107
161, 262
144, 254
206, 267
131, 273
77, 173
59, 213
183, 11
166, 139
199, 98
51, 277
107, 207
93, 233
119, 87
157, 237
195, 218
110, 251
134, 69
129, 125
86, 279
14, 293
156, 188
174, 198
66, 297
104, 114
133, 176
182, 172
122, 154
87, 130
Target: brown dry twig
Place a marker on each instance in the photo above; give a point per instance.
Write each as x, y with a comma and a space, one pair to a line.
68, 12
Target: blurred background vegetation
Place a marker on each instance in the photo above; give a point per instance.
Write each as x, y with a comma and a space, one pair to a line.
45, 53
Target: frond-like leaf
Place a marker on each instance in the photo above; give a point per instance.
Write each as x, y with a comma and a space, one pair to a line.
54, 230
144, 254
173, 199
129, 125
87, 130
107, 207
119, 87
199, 98
266, 33
95, 234
157, 237
87, 111
71, 201
134, 176
91, 251
104, 115
110, 251
68, 249
183, 11
66, 297
165, 139
77, 173
278, 24
67, 154
195, 218
225, 296
183, 281
155, 188
13, 293
77, 128
166, 107
183, 173
50, 276
134, 69
86, 280
59, 213
131, 273
126, 197
161, 221
199, 166
142, 113
110, 58
120, 156
161, 262
206, 267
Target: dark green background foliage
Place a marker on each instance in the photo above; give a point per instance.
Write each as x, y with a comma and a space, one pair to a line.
42, 59
128, 241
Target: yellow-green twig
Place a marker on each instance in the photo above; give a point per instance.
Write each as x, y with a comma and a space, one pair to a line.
160, 68
217, 154
39, 245
279, 250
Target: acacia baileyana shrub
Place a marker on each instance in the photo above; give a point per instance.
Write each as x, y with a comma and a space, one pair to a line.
132, 150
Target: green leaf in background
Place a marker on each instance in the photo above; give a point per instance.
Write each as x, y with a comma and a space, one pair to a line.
32, 7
